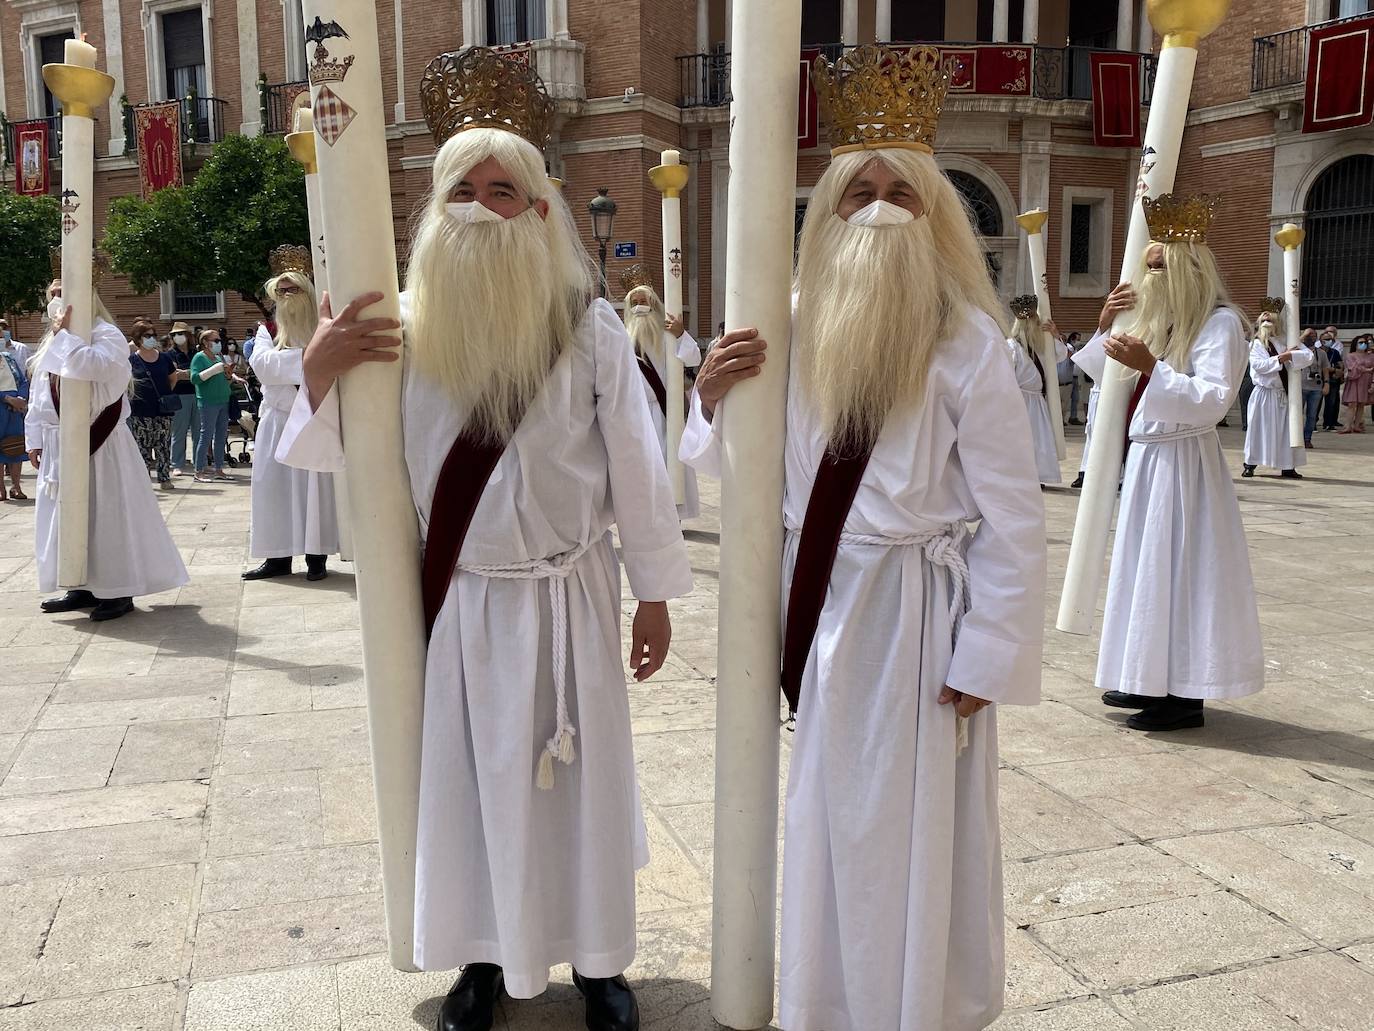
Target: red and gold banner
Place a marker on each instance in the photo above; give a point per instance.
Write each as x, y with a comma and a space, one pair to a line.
999, 70
808, 110
31, 143
1116, 99
157, 130
1340, 77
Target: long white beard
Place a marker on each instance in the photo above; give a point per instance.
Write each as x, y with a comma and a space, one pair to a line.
870, 313
647, 333
490, 313
296, 319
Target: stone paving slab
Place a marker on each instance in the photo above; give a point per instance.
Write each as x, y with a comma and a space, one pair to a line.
188, 843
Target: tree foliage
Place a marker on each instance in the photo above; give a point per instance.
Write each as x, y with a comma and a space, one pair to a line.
29, 228
216, 232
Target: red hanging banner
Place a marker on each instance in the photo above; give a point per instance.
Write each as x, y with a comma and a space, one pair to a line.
808, 110
157, 130
31, 143
1340, 77
1116, 99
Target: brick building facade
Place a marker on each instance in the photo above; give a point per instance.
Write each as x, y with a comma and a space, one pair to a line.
636, 77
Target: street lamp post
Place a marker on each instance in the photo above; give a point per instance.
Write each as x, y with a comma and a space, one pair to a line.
603, 211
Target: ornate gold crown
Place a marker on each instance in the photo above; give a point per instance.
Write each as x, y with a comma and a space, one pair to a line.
324, 70
479, 88
100, 265
875, 97
1027, 306
290, 258
1272, 306
632, 278
1180, 219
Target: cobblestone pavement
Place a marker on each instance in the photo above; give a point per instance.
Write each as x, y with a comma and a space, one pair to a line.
187, 838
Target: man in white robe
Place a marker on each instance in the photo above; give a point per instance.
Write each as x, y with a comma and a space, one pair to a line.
293, 509
1181, 622
892, 893
130, 552
1267, 440
1032, 377
654, 333
530, 825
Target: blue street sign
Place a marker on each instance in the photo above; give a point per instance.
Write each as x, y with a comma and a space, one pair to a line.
624, 250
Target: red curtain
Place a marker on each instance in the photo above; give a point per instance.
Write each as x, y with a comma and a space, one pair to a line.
1116, 99
808, 113
157, 130
1340, 77
31, 142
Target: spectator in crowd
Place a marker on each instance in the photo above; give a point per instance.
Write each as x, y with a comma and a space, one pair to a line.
187, 417
1359, 375
153, 401
1068, 383
1331, 400
14, 402
249, 339
8, 345
213, 383
1316, 384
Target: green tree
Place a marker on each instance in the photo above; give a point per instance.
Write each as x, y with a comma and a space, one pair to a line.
216, 232
30, 227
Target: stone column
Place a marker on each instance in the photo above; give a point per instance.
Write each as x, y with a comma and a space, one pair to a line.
1030, 22
1125, 24
556, 19
703, 26
882, 29
849, 25
1000, 15
114, 65
474, 23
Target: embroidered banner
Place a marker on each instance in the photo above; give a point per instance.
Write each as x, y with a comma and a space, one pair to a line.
1340, 77
31, 143
1116, 99
157, 132
1003, 71
808, 112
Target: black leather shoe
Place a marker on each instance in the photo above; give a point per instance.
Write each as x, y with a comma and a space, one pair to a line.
1291, 474
272, 567
112, 608
611, 1004
1078, 483
471, 1002
1122, 700
314, 567
1169, 714
72, 601
1247, 471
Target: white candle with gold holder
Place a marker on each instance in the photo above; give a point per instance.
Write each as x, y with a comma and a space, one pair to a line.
670, 179
81, 89
1033, 222
1290, 238
1183, 24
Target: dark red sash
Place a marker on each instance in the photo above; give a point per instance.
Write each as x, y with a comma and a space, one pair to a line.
832, 496
1040, 368
1135, 403
1283, 368
655, 382
104, 423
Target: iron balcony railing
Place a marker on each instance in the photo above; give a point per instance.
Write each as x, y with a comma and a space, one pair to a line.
11, 139
202, 121
278, 99
1280, 59
1058, 73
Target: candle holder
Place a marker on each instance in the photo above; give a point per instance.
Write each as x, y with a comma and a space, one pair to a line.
81, 90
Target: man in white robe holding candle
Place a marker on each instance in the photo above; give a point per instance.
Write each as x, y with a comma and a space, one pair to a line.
892, 891
293, 509
651, 330
1033, 379
1267, 439
1181, 622
530, 827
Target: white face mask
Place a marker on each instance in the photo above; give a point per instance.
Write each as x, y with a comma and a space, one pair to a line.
881, 213
640, 309
56, 308
215, 347
150, 342
469, 211
180, 338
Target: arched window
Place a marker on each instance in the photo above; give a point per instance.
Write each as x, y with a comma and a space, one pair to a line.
1337, 287
984, 213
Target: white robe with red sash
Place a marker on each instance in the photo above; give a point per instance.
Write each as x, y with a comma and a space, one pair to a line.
1031, 382
690, 355
892, 880
1266, 434
508, 873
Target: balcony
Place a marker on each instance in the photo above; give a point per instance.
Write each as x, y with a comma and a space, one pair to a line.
278, 102
11, 139
202, 121
559, 62
1280, 59
1054, 73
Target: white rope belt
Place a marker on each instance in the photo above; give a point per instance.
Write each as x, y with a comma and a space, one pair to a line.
942, 547
1187, 433
556, 571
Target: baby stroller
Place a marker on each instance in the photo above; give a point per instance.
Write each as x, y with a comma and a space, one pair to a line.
244, 402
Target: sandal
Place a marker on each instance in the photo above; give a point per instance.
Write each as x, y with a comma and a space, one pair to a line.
18, 495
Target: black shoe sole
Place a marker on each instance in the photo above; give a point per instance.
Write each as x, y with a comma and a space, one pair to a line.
1141, 721
253, 574
1123, 700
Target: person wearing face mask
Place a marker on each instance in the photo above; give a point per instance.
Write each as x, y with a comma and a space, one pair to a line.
14, 402
902, 629
186, 419
1266, 436
526, 437
1356, 393
153, 401
213, 382
1331, 400
651, 329
10, 346
1024, 348
130, 552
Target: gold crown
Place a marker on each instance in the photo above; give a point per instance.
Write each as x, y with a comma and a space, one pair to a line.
290, 258
479, 88
632, 278
1180, 219
1027, 306
324, 70
875, 97
100, 265
1272, 306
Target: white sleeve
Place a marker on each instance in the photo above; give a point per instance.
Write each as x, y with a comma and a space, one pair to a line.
1302, 358
1261, 361
1204, 397
701, 440
651, 544
312, 439
104, 360
274, 368
688, 352
1092, 357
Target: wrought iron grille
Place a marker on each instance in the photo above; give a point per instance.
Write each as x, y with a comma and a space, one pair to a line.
278, 101
1280, 59
704, 80
1338, 255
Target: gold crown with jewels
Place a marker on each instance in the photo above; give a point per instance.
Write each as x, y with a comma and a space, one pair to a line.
632, 278
877, 97
479, 88
1181, 219
290, 258
1027, 306
1272, 306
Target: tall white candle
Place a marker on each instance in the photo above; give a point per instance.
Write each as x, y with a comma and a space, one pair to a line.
670, 178
79, 53
1033, 222
1290, 238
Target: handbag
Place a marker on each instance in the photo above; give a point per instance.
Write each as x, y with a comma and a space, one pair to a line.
167, 404
12, 446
